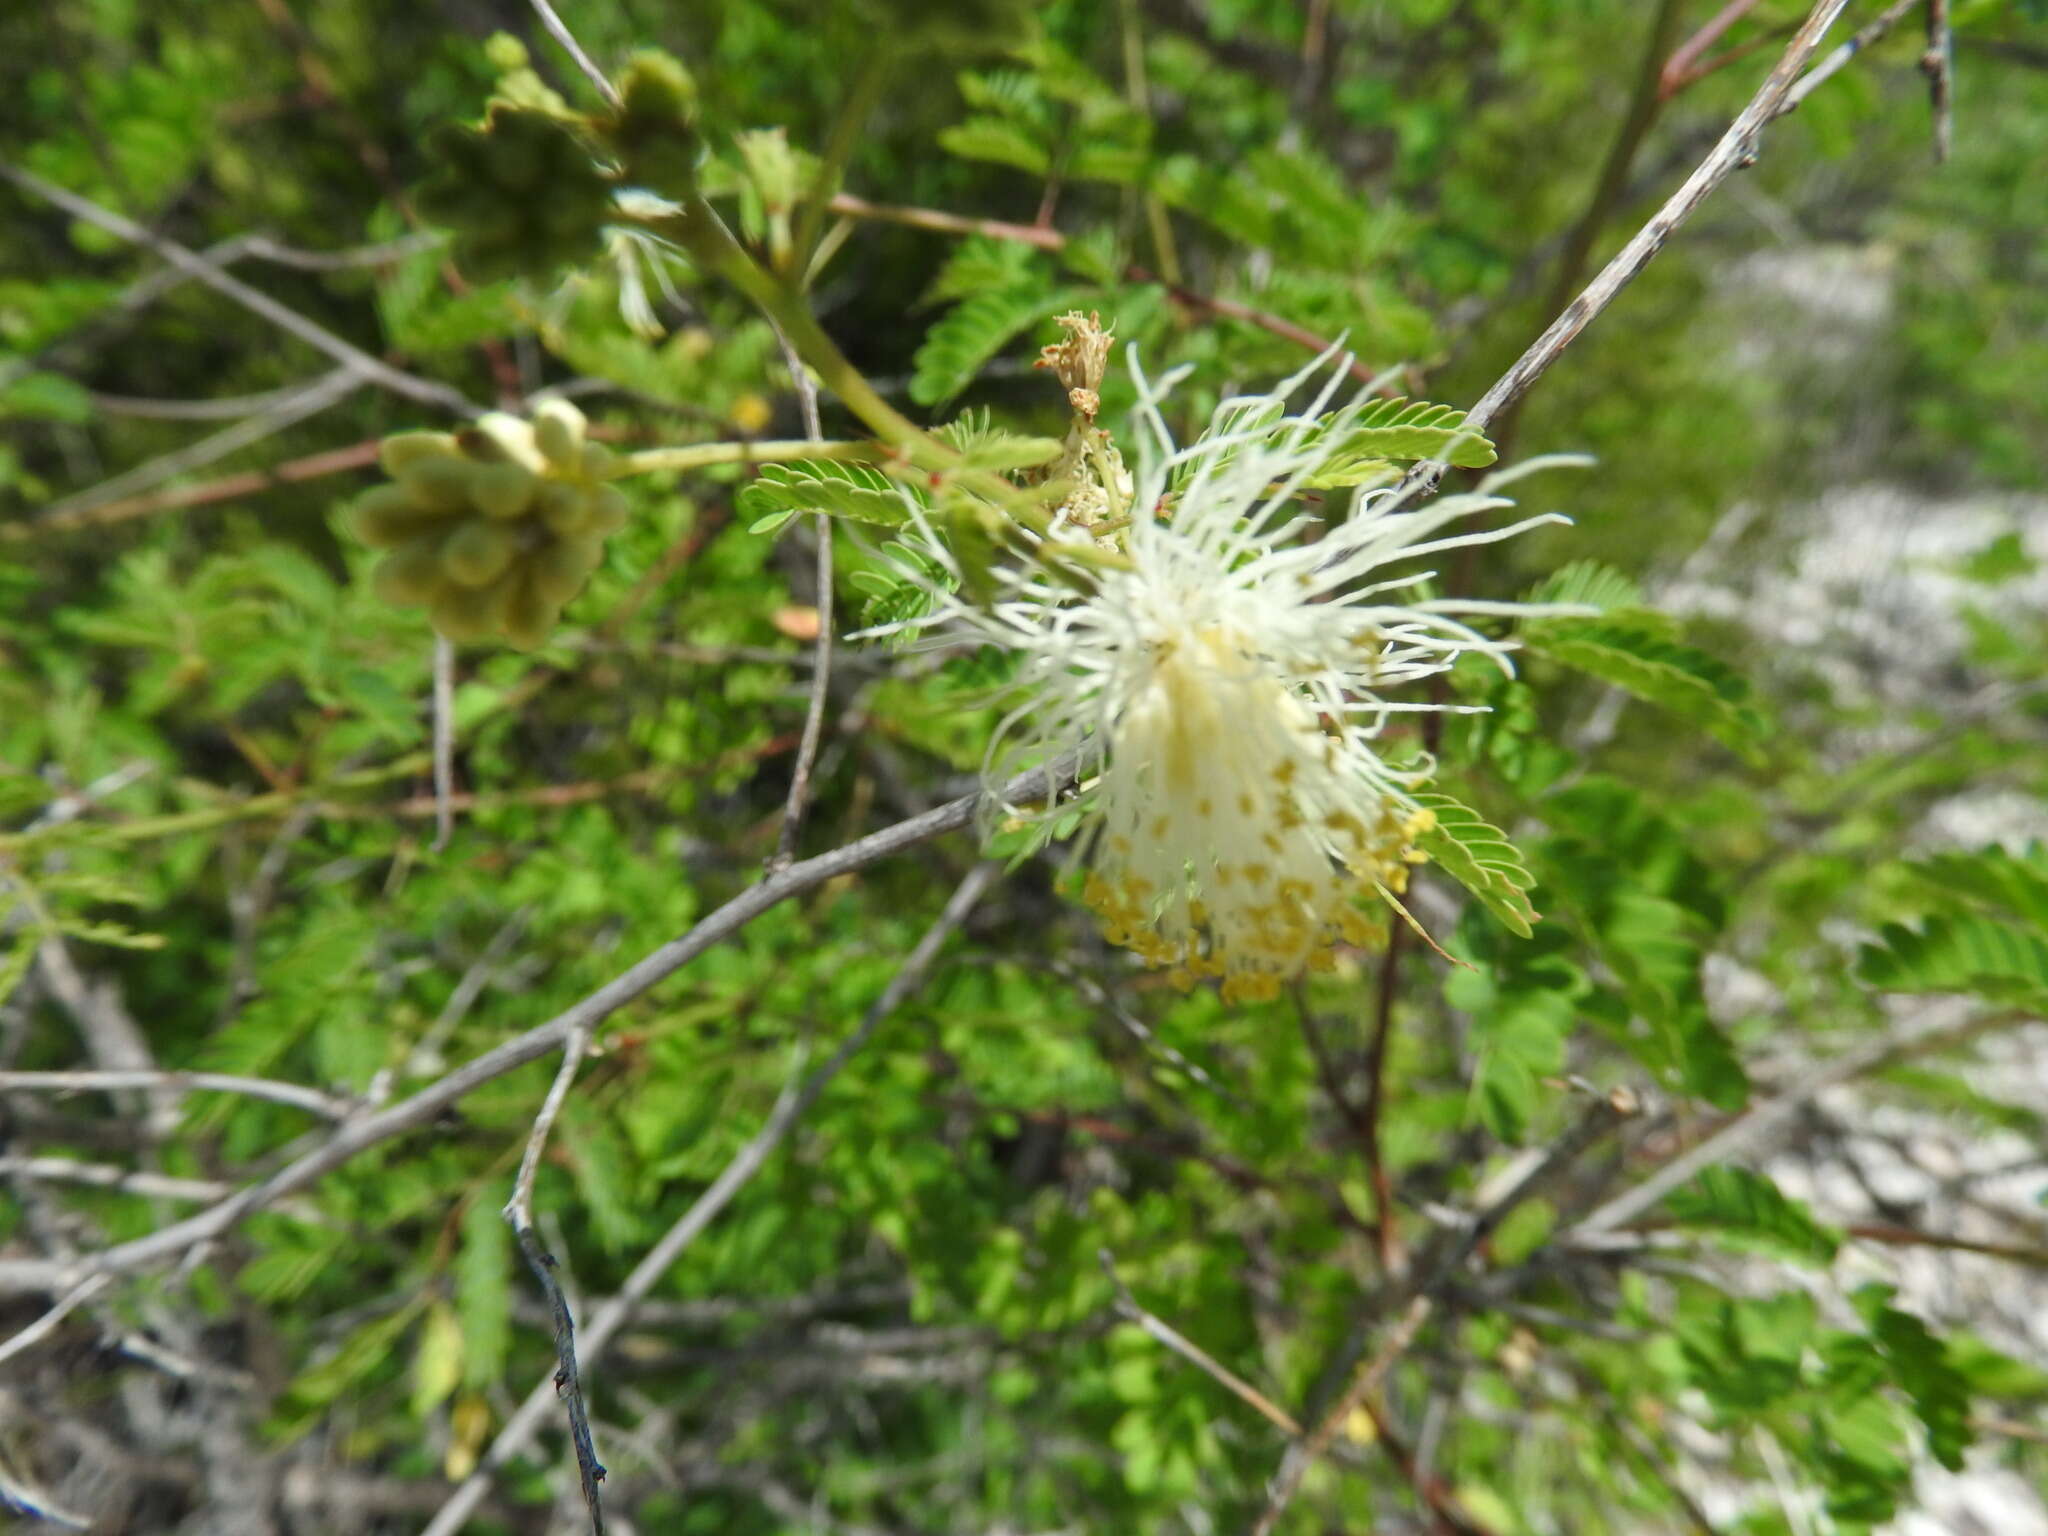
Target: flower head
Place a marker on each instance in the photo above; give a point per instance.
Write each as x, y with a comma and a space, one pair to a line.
1230, 683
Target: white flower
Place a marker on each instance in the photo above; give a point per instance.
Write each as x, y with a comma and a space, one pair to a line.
1229, 687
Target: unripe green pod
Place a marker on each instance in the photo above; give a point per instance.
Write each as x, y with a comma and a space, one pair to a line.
410, 574
438, 483
560, 568
403, 448
608, 509
558, 433
469, 613
502, 490
597, 461
563, 506
527, 613
386, 516
477, 553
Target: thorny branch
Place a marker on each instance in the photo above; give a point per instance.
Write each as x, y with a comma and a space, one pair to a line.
1939, 63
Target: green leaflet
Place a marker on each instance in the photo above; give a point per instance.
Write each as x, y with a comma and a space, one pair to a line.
980, 264
998, 139
1591, 584
1746, 1210
436, 1359
14, 963
983, 445
1479, 857
2018, 883
1659, 670
1387, 433
855, 491
45, 397
1920, 1366
369, 1349
1958, 953
1404, 431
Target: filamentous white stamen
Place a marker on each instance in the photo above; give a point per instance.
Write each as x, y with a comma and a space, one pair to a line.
1228, 688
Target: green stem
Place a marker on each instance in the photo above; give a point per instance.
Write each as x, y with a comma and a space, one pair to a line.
252, 808
699, 455
700, 231
839, 147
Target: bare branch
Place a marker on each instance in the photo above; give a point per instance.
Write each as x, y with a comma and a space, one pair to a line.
312, 1100
1822, 72
1678, 71
1128, 1308
307, 400
128, 1181
1735, 148
313, 466
45, 1325
1939, 63
25, 1500
187, 260
560, 32
519, 1213
1303, 1453
1763, 1121
226, 408
794, 1102
542, 1039
821, 671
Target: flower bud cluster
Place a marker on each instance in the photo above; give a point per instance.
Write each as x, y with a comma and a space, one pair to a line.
492, 529
521, 194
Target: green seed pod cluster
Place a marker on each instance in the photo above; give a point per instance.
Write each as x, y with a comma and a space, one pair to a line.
494, 528
654, 131
522, 194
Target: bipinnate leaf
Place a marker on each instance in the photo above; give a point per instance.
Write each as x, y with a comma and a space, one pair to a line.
855, 491
1959, 952
1657, 669
1746, 1210
1479, 857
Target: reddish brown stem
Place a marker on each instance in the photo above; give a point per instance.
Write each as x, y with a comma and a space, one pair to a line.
1678, 71
1375, 1100
1049, 239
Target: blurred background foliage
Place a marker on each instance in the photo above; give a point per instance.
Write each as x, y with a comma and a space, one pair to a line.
1803, 826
